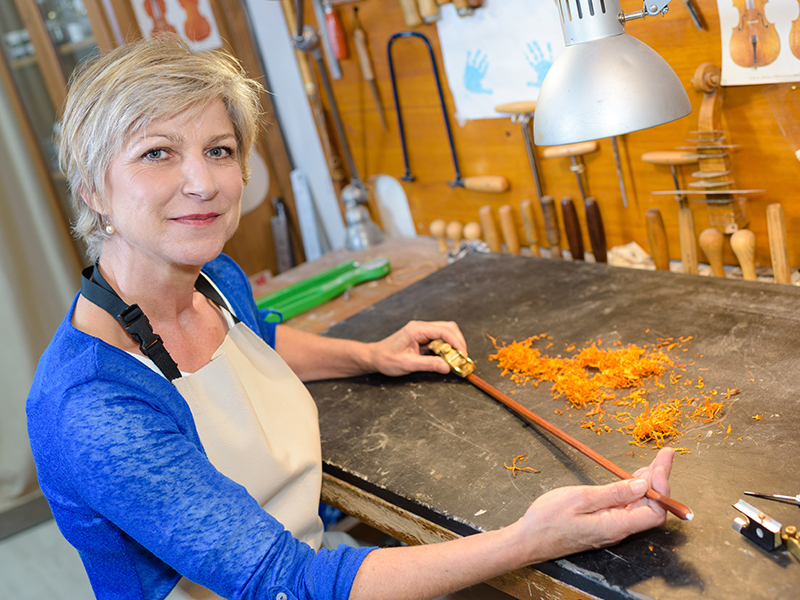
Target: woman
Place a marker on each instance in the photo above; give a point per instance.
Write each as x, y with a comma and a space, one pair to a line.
196, 453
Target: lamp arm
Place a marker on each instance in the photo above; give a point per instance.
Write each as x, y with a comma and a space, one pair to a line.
651, 9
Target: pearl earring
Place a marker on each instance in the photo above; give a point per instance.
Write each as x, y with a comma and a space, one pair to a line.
110, 229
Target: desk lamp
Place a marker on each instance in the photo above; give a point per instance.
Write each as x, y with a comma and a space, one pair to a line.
361, 230
605, 83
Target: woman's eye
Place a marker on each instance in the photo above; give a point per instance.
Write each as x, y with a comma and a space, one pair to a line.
155, 154
220, 152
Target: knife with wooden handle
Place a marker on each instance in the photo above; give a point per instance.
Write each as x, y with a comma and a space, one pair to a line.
657, 239
711, 241
597, 233
572, 228
529, 226
509, 229
551, 229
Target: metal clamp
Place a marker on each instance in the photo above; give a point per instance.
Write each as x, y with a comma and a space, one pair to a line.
460, 364
762, 530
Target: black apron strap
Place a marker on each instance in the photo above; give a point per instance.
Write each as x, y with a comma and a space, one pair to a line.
95, 289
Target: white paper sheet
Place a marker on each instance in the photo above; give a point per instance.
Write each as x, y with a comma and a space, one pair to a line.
499, 54
777, 16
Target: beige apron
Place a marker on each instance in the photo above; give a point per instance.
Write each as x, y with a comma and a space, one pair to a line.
259, 427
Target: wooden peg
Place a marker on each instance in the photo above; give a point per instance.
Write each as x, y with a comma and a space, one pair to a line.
472, 231
711, 241
597, 233
778, 244
657, 239
509, 228
743, 243
428, 10
551, 226
437, 229
529, 226
411, 13
688, 240
490, 235
453, 232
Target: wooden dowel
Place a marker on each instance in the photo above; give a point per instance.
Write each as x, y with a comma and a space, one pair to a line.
676, 508
551, 226
437, 229
490, 235
688, 240
657, 239
743, 243
597, 233
529, 226
572, 227
509, 228
778, 246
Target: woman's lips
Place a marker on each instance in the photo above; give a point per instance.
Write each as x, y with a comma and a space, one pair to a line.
197, 220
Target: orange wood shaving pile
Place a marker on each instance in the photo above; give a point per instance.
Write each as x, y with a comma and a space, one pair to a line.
591, 379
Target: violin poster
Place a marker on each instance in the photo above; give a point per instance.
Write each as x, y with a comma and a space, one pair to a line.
193, 20
760, 41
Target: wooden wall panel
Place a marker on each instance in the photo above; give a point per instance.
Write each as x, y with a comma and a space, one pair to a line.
495, 147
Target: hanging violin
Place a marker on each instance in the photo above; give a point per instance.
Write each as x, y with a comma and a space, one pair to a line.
754, 40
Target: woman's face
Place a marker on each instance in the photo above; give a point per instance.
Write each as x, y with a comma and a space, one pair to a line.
173, 192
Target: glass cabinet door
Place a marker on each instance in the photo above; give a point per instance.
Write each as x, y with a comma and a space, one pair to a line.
41, 48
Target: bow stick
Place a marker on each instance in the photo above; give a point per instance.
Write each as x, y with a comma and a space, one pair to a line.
463, 366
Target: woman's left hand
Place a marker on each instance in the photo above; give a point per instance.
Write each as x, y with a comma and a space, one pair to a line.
399, 354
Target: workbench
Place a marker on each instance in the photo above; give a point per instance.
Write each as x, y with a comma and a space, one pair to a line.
422, 457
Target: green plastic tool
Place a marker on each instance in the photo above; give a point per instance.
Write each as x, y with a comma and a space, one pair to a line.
304, 295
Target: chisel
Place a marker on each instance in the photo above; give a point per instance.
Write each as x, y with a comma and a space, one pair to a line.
597, 233
509, 228
551, 226
711, 241
365, 61
657, 239
572, 227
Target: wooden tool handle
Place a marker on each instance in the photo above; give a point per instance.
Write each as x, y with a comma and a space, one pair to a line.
597, 233
669, 157
453, 231
486, 183
517, 108
676, 508
711, 241
688, 240
509, 229
437, 229
364, 59
551, 226
572, 228
489, 228
428, 10
743, 243
529, 226
336, 37
778, 244
411, 14
570, 149
657, 239
472, 231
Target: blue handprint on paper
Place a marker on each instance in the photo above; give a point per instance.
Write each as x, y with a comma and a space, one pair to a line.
474, 72
540, 62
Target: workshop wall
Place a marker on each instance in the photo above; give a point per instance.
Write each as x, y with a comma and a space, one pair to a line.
762, 160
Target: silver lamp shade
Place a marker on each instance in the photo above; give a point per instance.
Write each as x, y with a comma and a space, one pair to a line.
605, 83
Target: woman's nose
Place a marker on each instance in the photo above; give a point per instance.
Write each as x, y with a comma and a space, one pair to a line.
199, 181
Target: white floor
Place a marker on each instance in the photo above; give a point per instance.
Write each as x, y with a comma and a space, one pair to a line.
39, 564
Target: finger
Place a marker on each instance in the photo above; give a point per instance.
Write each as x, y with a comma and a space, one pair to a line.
424, 332
614, 495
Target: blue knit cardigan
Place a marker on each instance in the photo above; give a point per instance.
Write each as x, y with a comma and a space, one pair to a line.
130, 486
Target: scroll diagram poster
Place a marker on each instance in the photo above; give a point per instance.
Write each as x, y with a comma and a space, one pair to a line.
499, 54
193, 20
760, 41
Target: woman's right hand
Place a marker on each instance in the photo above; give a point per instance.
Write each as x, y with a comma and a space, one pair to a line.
577, 518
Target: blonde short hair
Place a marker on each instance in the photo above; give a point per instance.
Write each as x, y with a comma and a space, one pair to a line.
115, 95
